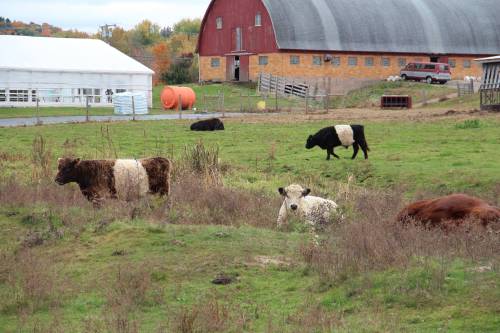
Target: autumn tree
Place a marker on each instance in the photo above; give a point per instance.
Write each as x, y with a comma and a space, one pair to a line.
188, 26
145, 33
120, 40
161, 60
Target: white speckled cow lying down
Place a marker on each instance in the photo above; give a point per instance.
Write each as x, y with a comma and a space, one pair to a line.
313, 210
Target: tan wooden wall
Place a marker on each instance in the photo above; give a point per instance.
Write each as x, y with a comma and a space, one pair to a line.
279, 64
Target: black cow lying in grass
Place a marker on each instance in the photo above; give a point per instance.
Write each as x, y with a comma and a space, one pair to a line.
340, 135
214, 124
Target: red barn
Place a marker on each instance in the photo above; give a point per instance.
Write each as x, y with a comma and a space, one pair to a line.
344, 38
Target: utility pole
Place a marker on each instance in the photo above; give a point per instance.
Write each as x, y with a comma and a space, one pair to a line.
106, 32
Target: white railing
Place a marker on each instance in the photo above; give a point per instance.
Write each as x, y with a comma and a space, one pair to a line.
57, 97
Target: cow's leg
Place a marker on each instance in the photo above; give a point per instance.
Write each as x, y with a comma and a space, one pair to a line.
97, 201
329, 152
364, 147
335, 155
355, 146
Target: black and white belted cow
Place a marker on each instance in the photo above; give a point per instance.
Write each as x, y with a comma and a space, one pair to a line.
340, 135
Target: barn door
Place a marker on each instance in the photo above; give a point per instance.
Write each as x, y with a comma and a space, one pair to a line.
244, 68
229, 68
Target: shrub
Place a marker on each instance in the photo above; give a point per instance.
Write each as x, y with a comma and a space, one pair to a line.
468, 124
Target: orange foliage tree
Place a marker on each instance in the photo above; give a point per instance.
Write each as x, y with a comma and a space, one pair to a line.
161, 60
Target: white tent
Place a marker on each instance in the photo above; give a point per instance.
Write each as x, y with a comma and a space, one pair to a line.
67, 72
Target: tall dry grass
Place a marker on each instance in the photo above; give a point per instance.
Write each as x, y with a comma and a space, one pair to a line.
370, 239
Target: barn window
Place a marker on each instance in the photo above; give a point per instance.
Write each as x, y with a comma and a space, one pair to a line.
452, 63
336, 61
317, 61
402, 62
238, 41
386, 62
369, 61
263, 60
467, 63
353, 61
215, 62
218, 22
294, 60
3, 96
258, 20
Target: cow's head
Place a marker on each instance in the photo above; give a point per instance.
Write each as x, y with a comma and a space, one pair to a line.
293, 195
66, 170
310, 142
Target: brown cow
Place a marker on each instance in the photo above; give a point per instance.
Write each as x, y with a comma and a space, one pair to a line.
117, 179
453, 208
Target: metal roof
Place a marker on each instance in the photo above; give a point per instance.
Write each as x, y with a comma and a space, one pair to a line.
489, 60
403, 26
65, 55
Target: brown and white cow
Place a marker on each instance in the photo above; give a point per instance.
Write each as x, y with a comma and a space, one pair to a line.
450, 210
117, 179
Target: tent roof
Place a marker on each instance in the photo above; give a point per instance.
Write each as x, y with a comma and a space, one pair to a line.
405, 26
65, 55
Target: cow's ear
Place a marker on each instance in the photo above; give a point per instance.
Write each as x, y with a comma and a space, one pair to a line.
282, 191
306, 192
76, 161
59, 160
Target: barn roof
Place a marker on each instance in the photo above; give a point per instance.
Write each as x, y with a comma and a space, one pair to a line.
405, 26
489, 59
65, 55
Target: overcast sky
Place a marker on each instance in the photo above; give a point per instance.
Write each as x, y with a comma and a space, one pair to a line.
88, 15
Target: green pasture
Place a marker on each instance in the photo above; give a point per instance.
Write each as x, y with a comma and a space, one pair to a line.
438, 156
178, 262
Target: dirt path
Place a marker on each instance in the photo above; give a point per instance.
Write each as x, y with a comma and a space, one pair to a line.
435, 100
361, 115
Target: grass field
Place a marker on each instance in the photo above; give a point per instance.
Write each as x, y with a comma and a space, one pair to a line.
435, 156
236, 98
138, 268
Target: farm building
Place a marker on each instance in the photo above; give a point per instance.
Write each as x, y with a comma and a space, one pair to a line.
490, 84
344, 38
67, 72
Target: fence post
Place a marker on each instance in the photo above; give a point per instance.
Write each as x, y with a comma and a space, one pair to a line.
241, 101
179, 106
249, 103
204, 100
223, 109
276, 107
87, 106
328, 92
37, 109
307, 100
133, 108
258, 83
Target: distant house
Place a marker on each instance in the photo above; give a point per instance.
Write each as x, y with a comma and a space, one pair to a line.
67, 72
490, 83
344, 38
